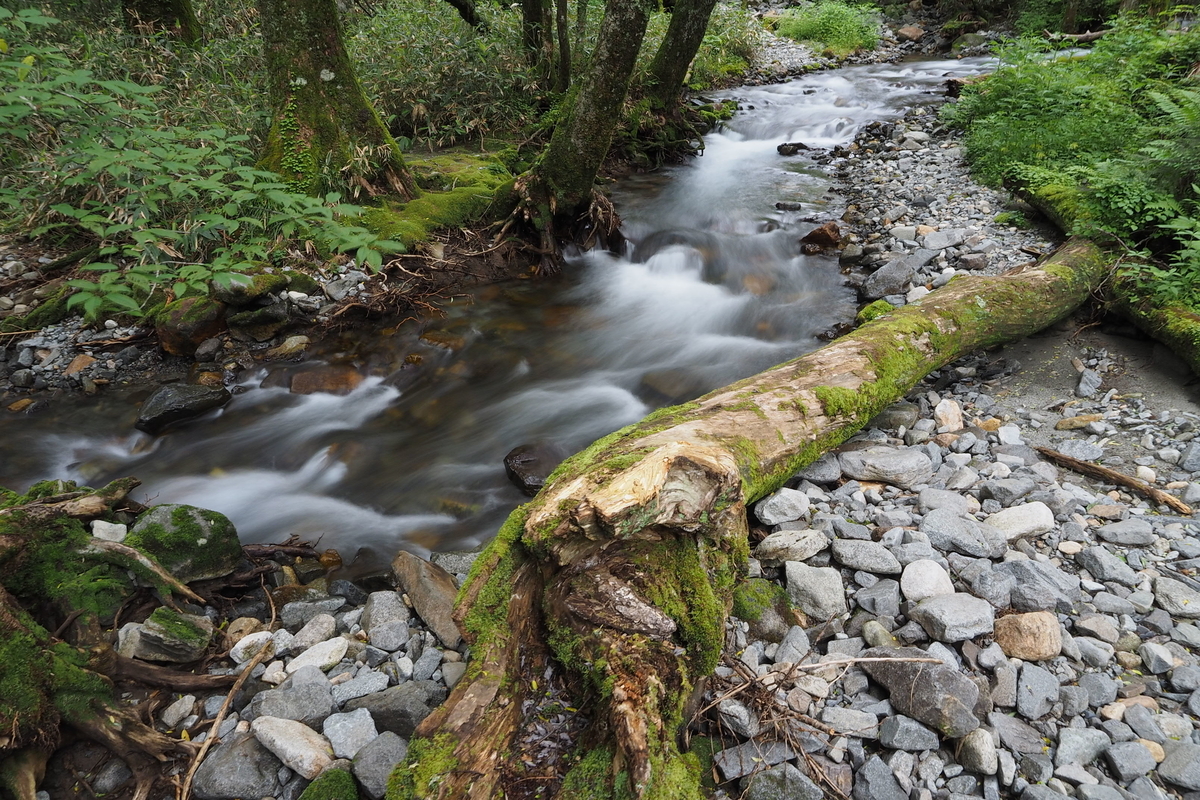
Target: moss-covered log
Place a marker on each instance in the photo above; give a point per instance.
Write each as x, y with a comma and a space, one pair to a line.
620, 572
325, 135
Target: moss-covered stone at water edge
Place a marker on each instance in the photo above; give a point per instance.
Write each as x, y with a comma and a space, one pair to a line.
190, 543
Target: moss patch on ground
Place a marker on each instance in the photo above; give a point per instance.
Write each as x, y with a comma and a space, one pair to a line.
753, 596
336, 784
459, 187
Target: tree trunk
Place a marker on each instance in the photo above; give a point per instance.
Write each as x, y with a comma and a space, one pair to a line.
564, 46
325, 135
466, 10
581, 139
615, 581
535, 31
175, 16
689, 21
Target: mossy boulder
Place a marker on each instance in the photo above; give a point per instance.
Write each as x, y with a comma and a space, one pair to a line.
192, 544
166, 636
183, 324
765, 606
261, 324
244, 290
301, 282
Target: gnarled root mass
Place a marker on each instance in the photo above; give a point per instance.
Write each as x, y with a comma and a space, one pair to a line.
621, 570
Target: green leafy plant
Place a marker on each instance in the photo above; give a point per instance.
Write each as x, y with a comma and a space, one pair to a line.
832, 24
168, 207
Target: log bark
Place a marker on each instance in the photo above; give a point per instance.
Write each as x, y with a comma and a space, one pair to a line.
616, 579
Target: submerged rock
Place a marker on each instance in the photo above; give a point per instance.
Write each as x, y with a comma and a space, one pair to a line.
177, 402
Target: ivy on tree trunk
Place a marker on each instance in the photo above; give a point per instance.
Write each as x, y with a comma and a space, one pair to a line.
325, 135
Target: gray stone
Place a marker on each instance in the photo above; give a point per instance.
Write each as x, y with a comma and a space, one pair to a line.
867, 556
902, 467
373, 764
825, 469
936, 694
783, 782
382, 608
317, 629
738, 762
940, 240
1156, 657
1133, 532
299, 747
1176, 598
738, 717
1007, 491
294, 615
166, 636
849, 722
309, 703
1182, 767
1062, 588
1027, 519
977, 752
360, 686
951, 532
1189, 458
1105, 566
889, 279
237, 767
1080, 746
1081, 449
178, 402
1074, 701
193, 544
1016, 734
783, 546
899, 732
882, 599
875, 781
817, 591
1129, 760
1099, 792
782, 505
930, 499
432, 591
175, 713
427, 664
348, 733
1142, 720
1089, 383
1185, 678
794, 647
954, 617
1037, 690
401, 708
1101, 689
1094, 652
923, 579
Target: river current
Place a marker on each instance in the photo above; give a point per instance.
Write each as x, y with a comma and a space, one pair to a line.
713, 287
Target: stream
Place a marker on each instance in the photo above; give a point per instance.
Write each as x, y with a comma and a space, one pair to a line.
713, 288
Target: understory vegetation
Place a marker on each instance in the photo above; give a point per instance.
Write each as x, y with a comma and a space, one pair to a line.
1107, 140
832, 25
147, 150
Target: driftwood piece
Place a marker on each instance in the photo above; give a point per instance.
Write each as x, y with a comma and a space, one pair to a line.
1119, 478
129, 669
1077, 38
621, 570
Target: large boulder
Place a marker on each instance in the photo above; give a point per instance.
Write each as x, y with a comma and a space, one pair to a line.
191, 543
177, 402
432, 591
936, 694
183, 324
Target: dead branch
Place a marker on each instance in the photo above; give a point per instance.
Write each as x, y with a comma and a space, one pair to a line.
1119, 478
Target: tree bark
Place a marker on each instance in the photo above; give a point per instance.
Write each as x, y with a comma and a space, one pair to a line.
685, 34
581, 140
535, 33
563, 81
325, 135
466, 10
175, 16
618, 576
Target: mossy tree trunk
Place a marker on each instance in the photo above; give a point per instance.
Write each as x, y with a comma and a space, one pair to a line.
325, 135
581, 139
685, 34
536, 26
618, 576
175, 16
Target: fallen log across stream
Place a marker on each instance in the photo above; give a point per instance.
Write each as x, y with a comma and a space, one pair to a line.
618, 576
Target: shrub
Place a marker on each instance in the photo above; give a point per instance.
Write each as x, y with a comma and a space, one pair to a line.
833, 25
167, 205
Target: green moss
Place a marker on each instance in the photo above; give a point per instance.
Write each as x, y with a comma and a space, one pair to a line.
301, 281
873, 311
419, 774
674, 579
179, 626
184, 542
488, 616
50, 310
592, 778
336, 784
753, 596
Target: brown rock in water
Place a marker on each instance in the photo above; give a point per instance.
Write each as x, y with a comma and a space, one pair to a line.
332, 379
791, 148
910, 33
432, 591
827, 235
528, 465
1030, 637
184, 324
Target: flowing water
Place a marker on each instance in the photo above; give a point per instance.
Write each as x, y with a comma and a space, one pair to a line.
713, 288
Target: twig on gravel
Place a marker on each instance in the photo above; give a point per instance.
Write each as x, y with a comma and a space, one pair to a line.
1119, 478
268, 650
